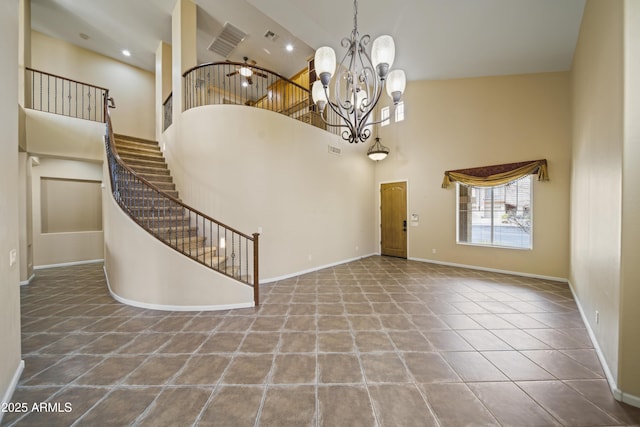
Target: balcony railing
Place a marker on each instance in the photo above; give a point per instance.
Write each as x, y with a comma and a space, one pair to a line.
59, 95
243, 84
167, 112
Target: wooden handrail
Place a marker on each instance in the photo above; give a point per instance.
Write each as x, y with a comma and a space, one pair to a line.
242, 64
66, 78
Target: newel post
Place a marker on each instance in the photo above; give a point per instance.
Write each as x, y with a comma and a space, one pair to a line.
256, 275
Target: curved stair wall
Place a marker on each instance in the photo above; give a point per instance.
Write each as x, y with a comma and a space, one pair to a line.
267, 172
143, 271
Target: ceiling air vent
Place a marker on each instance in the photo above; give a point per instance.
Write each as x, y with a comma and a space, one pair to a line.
335, 150
227, 40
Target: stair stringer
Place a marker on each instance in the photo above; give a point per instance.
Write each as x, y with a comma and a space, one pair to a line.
144, 272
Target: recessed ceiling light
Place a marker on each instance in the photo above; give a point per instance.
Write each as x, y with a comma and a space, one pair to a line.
125, 52
289, 47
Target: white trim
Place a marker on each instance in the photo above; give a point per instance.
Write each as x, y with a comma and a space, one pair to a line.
12, 385
26, 282
617, 393
68, 264
311, 270
493, 270
173, 307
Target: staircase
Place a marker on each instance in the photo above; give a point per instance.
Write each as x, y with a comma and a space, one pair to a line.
168, 221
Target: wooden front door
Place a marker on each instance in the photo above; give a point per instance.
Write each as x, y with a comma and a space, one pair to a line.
393, 214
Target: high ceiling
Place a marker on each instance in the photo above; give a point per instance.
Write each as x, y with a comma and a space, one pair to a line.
435, 39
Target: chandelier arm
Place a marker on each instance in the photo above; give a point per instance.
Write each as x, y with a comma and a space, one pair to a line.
368, 74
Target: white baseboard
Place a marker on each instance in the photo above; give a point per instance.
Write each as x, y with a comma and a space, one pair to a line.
68, 264
26, 282
164, 307
617, 393
311, 270
12, 385
492, 270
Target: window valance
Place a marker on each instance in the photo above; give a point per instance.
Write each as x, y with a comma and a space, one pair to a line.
489, 176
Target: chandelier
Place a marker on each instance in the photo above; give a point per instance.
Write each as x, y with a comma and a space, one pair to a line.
359, 81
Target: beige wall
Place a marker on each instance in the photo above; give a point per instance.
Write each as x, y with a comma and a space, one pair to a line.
64, 247
597, 172
453, 124
629, 367
314, 208
132, 88
66, 137
10, 363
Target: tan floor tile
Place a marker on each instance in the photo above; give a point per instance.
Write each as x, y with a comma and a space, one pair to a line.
511, 406
364, 323
483, 340
472, 366
176, 406
300, 323
565, 404
559, 365
455, 405
335, 342
233, 406
269, 323
373, 341
203, 369
145, 343
345, 406
260, 342
410, 341
447, 341
248, 369
599, 393
294, 369
401, 405
519, 340
384, 368
111, 371
339, 368
108, 343
333, 323
65, 371
297, 342
222, 342
156, 370
289, 406
430, 368
120, 407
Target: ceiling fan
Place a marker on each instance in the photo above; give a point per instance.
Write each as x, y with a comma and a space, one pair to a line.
246, 71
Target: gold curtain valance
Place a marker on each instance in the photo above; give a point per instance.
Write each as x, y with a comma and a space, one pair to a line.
490, 176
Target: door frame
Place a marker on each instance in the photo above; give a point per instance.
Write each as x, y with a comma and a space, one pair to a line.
379, 213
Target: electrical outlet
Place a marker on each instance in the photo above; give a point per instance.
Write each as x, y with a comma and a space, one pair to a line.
434, 251
13, 256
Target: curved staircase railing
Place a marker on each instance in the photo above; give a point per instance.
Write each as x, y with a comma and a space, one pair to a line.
178, 225
239, 83
183, 228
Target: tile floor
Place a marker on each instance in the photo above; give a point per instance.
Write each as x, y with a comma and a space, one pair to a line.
376, 342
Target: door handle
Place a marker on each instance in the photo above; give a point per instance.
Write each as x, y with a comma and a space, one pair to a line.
404, 225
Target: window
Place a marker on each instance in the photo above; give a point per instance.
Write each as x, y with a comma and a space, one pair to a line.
400, 111
384, 116
496, 216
